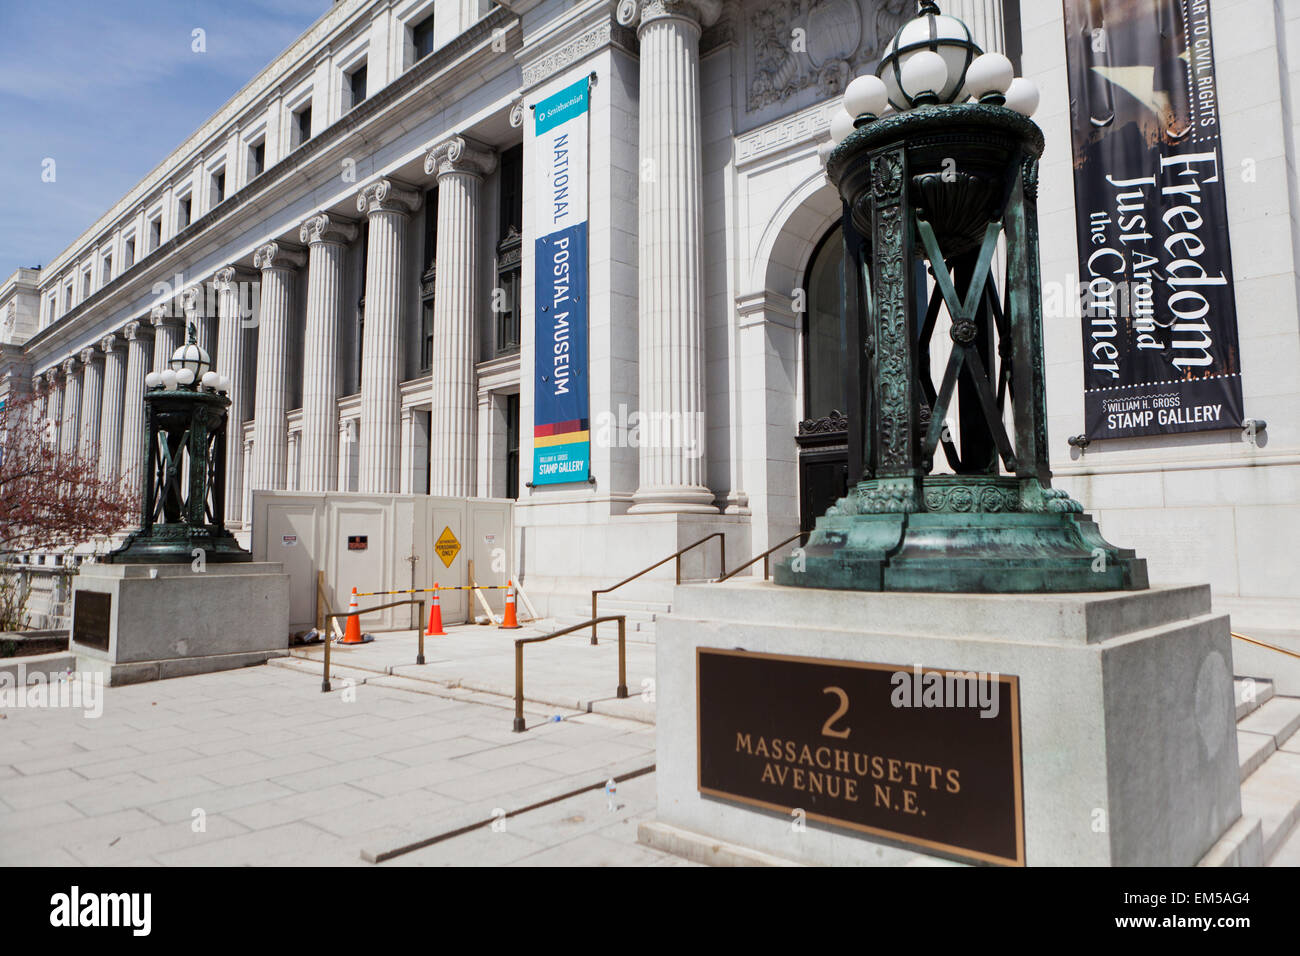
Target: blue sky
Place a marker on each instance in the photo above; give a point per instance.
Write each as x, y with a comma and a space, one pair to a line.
107, 88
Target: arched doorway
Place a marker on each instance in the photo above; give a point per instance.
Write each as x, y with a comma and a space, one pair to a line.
822, 434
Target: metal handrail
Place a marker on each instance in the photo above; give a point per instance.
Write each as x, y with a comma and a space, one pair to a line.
419, 658
722, 543
762, 557
1251, 640
621, 690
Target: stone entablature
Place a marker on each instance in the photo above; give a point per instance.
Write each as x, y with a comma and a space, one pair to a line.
309, 62
471, 49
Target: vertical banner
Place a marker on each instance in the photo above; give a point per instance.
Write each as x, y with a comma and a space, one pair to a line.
561, 422
1159, 318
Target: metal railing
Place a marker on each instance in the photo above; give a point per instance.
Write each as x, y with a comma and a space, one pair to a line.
620, 691
763, 557
1271, 647
676, 555
419, 658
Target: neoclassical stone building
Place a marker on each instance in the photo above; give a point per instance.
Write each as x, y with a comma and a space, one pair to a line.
355, 234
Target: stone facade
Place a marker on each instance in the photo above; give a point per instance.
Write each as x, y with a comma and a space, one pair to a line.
356, 314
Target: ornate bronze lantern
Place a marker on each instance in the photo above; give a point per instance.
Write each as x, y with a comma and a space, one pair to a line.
182, 495
932, 188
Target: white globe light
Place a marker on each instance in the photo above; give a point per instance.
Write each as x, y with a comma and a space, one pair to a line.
168, 379
866, 96
152, 380
185, 376
210, 379
1022, 96
925, 73
841, 125
931, 32
990, 73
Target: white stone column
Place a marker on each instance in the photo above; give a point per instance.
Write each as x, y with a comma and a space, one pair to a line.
327, 238
70, 435
347, 438
270, 400
110, 416
460, 165
232, 363
670, 256
54, 406
139, 359
389, 206
984, 17
168, 336
408, 446
246, 486
92, 403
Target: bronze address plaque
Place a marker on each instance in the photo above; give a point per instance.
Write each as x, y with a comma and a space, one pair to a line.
91, 615
921, 755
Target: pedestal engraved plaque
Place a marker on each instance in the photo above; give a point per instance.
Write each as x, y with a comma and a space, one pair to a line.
91, 619
924, 756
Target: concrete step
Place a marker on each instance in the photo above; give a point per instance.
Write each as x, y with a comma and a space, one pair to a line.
1250, 694
1271, 791
1278, 718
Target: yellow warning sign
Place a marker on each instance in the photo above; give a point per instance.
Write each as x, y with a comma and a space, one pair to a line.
447, 547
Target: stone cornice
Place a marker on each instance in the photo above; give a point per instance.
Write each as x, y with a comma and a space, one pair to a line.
421, 84
275, 255
327, 228
459, 154
547, 59
388, 195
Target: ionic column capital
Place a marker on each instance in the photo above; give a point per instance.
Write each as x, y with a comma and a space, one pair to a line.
109, 343
327, 228
70, 365
388, 195
90, 354
517, 113
639, 13
162, 315
137, 330
459, 154
226, 277
274, 255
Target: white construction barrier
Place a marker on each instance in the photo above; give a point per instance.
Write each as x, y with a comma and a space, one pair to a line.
367, 542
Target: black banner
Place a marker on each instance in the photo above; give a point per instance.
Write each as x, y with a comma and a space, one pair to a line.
1158, 315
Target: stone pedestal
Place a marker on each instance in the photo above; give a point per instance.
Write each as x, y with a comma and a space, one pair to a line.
1126, 718
161, 621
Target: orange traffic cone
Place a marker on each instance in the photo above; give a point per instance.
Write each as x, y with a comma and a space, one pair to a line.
352, 633
508, 621
435, 616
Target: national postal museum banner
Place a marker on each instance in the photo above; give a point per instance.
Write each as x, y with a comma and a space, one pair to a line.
561, 422
1159, 319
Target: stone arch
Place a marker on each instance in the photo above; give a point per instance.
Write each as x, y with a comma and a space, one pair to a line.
786, 247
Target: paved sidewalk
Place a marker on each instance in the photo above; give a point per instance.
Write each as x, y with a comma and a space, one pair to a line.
257, 766
566, 672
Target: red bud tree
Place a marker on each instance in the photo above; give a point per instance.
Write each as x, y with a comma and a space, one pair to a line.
50, 499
